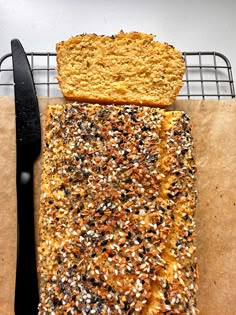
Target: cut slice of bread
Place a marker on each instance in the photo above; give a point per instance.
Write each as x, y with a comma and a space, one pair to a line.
128, 68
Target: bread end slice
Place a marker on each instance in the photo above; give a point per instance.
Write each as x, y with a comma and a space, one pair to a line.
121, 69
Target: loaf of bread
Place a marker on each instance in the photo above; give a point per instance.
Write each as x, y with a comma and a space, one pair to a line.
116, 221
129, 68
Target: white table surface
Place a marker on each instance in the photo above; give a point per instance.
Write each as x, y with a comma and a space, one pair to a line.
203, 25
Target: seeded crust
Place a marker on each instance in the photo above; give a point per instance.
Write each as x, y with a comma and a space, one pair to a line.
128, 68
117, 231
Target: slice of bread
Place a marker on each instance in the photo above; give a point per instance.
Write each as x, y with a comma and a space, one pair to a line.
128, 68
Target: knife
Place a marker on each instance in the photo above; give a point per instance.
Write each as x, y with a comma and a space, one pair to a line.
28, 147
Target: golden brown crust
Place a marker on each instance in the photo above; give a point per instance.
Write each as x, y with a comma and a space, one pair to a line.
116, 215
107, 101
128, 68
174, 290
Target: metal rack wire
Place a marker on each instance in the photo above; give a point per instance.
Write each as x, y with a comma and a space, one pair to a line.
208, 75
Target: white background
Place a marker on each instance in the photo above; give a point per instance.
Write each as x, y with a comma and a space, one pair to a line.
201, 25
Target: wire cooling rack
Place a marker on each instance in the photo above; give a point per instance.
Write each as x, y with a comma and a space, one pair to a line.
208, 75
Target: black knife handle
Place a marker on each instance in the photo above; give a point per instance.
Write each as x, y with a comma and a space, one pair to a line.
26, 289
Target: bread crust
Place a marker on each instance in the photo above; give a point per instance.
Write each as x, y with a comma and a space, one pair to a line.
117, 101
102, 164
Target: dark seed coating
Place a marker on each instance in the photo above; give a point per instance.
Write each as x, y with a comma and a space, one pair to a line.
116, 215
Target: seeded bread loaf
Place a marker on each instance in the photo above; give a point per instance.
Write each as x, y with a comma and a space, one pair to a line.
129, 68
117, 231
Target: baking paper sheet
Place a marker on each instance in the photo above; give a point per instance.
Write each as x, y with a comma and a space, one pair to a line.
214, 132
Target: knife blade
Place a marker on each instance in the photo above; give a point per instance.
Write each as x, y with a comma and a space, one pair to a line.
28, 147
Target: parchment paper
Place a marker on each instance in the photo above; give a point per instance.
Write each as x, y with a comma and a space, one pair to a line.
214, 132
